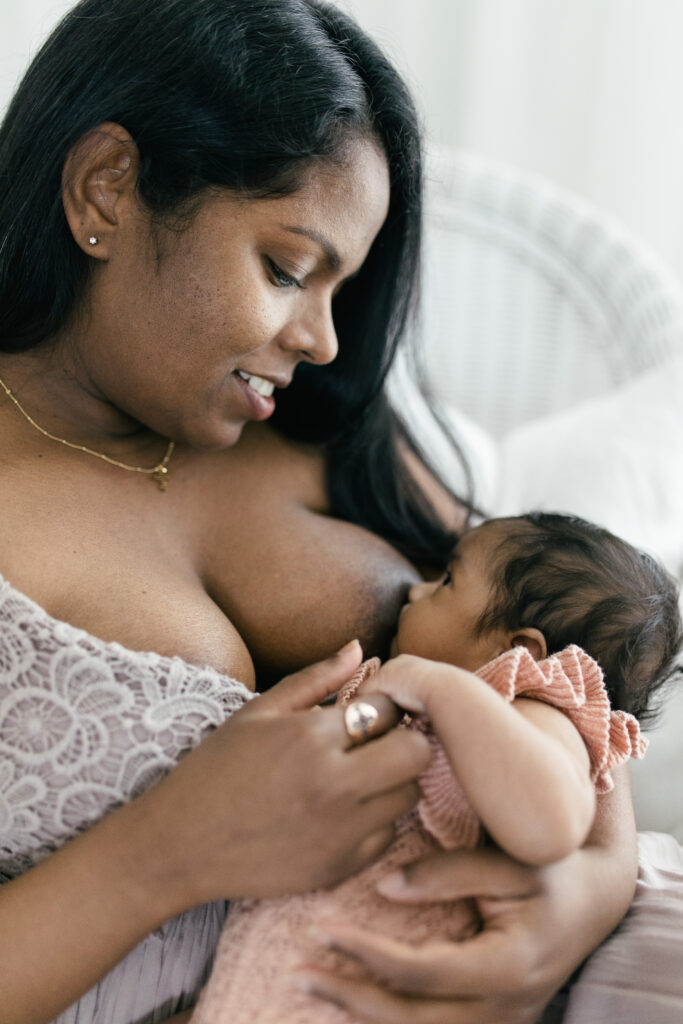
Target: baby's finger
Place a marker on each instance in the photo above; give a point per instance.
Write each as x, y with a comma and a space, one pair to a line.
405, 680
454, 875
369, 1002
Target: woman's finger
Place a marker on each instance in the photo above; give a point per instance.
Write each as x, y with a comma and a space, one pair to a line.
386, 808
389, 761
370, 1002
376, 714
310, 686
435, 970
371, 847
454, 875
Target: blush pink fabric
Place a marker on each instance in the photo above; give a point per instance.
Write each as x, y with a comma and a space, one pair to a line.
263, 941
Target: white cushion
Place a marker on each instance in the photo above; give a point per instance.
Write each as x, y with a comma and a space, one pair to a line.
616, 460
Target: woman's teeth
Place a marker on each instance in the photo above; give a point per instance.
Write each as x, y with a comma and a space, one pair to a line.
260, 386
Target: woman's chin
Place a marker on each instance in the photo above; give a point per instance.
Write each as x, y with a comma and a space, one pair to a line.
216, 437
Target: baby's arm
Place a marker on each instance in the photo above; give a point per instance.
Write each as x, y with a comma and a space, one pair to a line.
523, 766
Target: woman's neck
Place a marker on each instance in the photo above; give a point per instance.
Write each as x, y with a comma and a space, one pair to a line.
51, 385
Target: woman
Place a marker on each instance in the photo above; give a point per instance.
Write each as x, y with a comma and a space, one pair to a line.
198, 199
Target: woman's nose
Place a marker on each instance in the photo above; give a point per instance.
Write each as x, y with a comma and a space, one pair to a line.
418, 591
312, 334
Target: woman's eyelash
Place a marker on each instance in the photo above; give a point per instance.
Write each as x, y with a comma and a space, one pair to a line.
284, 280
447, 579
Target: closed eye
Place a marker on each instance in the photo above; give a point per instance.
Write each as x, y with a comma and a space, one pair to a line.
282, 279
447, 579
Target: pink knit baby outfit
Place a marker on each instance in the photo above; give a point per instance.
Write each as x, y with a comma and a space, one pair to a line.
263, 941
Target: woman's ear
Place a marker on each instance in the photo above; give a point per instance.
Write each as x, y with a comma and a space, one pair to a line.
98, 182
532, 639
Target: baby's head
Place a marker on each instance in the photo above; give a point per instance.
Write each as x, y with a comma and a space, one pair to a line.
547, 581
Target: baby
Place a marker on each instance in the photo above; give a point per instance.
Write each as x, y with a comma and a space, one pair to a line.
530, 614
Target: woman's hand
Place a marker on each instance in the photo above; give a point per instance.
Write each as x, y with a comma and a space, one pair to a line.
538, 924
499, 975
277, 801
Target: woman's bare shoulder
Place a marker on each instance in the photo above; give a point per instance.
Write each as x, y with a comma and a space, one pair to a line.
280, 468
298, 471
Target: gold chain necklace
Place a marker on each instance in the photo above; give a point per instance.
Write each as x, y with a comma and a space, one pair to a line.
158, 472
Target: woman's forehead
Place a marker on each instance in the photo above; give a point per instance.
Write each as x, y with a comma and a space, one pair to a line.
338, 208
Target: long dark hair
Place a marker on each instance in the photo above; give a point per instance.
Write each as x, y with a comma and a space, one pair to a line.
244, 96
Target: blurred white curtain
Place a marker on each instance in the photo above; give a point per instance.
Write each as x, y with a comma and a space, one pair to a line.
587, 92
23, 26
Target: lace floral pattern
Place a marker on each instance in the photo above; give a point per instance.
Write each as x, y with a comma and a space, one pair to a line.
86, 725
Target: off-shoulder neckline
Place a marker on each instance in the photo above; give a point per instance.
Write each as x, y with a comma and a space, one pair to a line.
90, 639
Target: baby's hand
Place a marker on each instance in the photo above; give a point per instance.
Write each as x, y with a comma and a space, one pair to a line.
412, 682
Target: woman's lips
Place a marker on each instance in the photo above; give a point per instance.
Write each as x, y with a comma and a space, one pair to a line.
261, 406
261, 385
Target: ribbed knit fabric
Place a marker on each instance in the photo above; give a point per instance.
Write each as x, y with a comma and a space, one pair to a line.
263, 941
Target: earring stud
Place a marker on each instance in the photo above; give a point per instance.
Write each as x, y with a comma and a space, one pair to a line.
93, 240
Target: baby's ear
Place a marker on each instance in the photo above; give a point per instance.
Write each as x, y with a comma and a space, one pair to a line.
532, 639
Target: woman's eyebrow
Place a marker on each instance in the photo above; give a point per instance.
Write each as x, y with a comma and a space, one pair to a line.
331, 254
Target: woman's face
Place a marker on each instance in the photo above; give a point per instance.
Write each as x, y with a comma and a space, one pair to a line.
190, 331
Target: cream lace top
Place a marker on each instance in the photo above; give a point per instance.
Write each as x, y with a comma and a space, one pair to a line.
86, 725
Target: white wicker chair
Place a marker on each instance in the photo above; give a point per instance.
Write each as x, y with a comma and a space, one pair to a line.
533, 298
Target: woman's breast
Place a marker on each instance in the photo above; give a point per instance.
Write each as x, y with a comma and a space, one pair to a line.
125, 578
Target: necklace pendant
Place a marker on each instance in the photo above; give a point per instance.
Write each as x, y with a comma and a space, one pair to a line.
160, 474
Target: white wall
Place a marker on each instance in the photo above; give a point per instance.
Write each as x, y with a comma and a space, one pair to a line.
23, 26
587, 92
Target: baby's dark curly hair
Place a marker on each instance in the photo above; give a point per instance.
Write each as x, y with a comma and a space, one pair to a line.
579, 584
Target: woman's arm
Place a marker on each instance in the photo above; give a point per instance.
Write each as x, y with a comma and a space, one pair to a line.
538, 925
523, 766
221, 824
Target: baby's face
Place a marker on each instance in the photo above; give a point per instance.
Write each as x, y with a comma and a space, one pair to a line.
440, 618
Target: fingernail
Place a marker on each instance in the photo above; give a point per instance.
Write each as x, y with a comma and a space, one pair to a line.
393, 885
347, 647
